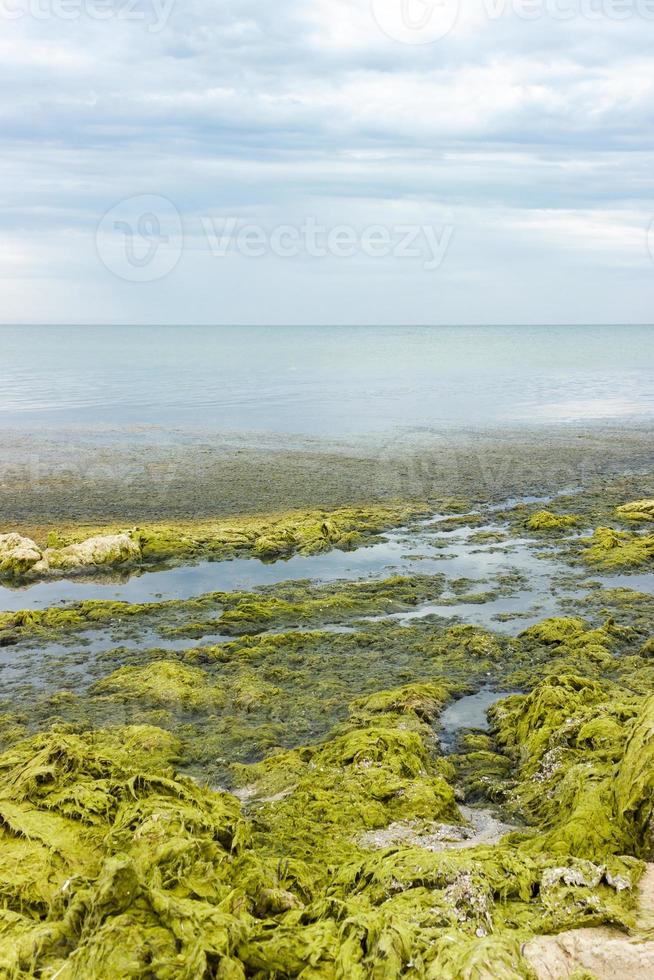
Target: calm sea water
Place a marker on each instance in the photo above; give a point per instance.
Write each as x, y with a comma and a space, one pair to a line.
334, 381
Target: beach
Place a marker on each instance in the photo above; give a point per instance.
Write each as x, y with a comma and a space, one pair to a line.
360, 703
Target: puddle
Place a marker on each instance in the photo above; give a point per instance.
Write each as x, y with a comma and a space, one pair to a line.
468, 712
638, 582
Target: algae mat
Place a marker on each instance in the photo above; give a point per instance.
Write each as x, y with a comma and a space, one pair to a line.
283, 800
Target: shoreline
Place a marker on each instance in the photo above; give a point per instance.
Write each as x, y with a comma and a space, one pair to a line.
50, 479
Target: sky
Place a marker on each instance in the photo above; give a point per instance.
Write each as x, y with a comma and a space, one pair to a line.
326, 161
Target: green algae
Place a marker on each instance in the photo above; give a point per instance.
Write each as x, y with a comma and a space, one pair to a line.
568, 736
379, 768
266, 537
234, 613
329, 736
611, 549
163, 682
130, 870
424, 700
545, 520
110, 865
637, 510
634, 784
300, 604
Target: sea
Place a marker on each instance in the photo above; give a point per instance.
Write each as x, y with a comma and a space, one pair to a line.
322, 381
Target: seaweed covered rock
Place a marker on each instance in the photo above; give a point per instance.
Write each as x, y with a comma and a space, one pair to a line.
470, 643
17, 555
569, 637
266, 536
103, 549
319, 799
20, 556
112, 865
545, 520
634, 784
163, 682
424, 700
568, 739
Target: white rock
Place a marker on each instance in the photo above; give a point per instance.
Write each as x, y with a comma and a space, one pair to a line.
103, 549
18, 554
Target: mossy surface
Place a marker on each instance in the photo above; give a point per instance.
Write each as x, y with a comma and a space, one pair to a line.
233, 613
637, 510
276, 796
612, 549
545, 520
269, 538
163, 682
128, 869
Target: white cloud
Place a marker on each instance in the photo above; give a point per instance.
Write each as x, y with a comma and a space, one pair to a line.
532, 136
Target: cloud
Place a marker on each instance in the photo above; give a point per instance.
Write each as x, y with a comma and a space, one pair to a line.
532, 137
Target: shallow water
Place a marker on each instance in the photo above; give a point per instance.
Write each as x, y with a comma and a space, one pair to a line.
234, 575
528, 578
406, 551
402, 552
468, 712
324, 381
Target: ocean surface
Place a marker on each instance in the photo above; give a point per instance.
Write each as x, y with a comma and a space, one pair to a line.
324, 381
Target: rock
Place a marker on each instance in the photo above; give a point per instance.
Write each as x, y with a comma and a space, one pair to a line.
606, 954
17, 554
103, 549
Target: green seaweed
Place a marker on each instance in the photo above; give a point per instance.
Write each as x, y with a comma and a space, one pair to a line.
267, 537
637, 510
609, 548
545, 520
342, 850
163, 682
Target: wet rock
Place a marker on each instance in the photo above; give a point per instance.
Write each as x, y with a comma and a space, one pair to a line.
605, 953
17, 554
103, 549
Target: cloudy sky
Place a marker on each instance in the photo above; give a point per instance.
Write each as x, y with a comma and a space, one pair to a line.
326, 161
